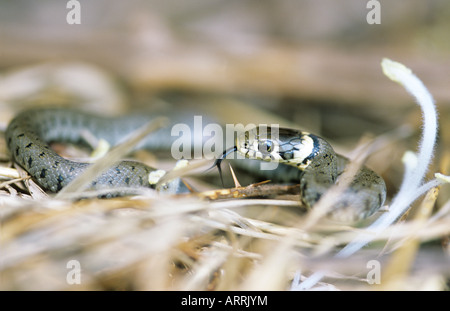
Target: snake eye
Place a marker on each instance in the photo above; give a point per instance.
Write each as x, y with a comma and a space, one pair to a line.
265, 146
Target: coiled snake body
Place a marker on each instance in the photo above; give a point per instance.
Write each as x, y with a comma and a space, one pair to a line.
29, 134
311, 157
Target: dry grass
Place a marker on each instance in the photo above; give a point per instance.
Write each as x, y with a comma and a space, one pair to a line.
188, 243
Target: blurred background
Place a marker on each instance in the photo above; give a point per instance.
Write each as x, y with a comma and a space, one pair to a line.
322, 51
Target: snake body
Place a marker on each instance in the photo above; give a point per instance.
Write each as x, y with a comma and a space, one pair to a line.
28, 136
301, 155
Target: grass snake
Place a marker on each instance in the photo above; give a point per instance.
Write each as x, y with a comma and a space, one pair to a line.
305, 158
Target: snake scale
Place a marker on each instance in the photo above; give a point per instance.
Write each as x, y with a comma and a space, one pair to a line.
304, 157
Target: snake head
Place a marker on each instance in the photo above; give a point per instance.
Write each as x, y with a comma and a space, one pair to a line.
283, 145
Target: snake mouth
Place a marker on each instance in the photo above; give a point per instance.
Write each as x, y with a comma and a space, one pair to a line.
219, 160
